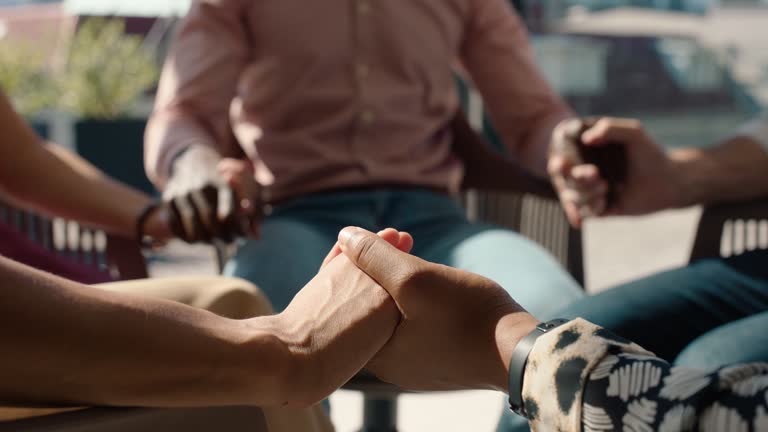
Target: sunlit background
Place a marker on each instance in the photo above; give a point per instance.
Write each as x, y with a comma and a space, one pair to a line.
692, 70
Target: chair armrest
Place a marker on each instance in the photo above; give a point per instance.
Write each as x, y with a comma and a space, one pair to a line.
487, 169
732, 228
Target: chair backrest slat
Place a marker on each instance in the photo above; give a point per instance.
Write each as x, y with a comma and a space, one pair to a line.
120, 258
732, 229
537, 218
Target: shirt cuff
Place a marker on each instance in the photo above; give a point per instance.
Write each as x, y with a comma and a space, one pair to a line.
558, 367
756, 129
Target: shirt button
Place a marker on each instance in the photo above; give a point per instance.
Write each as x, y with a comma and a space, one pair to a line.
362, 70
367, 117
363, 7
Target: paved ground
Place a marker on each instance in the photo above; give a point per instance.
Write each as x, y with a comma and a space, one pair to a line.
617, 250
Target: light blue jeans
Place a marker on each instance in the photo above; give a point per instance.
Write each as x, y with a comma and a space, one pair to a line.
299, 233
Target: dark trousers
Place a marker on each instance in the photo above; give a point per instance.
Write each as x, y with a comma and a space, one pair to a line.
711, 313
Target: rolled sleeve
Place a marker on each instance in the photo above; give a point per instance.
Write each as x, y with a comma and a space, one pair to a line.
197, 86
523, 106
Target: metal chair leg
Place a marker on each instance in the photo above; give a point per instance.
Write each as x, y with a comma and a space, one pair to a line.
379, 414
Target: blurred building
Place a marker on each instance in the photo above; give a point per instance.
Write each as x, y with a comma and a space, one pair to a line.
675, 71
43, 27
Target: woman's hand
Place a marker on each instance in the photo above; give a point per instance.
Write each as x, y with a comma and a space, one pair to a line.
333, 327
458, 329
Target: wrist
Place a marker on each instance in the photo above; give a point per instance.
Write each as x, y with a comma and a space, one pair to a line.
192, 169
683, 185
197, 160
510, 330
267, 362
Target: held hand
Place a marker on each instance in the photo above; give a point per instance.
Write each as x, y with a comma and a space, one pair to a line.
579, 185
458, 329
214, 206
649, 184
334, 326
652, 183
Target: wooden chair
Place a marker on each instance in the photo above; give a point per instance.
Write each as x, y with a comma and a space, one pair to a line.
731, 229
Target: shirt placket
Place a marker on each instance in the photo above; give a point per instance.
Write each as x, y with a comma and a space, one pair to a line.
366, 115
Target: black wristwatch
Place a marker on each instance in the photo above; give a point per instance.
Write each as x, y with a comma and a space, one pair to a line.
520, 359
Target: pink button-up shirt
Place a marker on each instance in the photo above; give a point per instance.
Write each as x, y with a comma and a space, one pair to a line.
338, 93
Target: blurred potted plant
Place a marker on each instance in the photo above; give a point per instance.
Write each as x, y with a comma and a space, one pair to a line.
106, 75
26, 79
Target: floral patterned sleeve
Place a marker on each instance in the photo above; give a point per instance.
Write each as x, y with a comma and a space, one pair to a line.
582, 377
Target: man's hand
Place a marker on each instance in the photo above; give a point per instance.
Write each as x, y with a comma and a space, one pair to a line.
334, 326
651, 182
458, 329
210, 200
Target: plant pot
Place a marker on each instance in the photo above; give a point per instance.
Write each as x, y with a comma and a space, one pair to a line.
115, 147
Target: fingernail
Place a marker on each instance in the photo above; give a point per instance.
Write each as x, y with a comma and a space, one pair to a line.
347, 233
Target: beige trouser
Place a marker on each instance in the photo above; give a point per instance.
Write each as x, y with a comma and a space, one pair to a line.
231, 298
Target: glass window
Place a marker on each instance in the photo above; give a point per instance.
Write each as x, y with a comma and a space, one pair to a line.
692, 70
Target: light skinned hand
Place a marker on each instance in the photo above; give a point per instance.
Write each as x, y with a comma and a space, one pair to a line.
238, 174
651, 183
581, 189
334, 326
458, 329
211, 198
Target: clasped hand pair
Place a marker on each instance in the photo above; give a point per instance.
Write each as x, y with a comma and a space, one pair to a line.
415, 324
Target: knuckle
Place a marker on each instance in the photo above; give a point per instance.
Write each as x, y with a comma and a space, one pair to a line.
363, 248
555, 166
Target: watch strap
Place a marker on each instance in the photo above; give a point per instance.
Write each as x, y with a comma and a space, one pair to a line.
520, 359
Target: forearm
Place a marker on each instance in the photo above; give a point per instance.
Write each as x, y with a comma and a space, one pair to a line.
194, 168
170, 140
51, 179
68, 343
735, 170
533, 150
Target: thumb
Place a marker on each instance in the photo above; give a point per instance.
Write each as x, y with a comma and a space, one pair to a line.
383, 262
